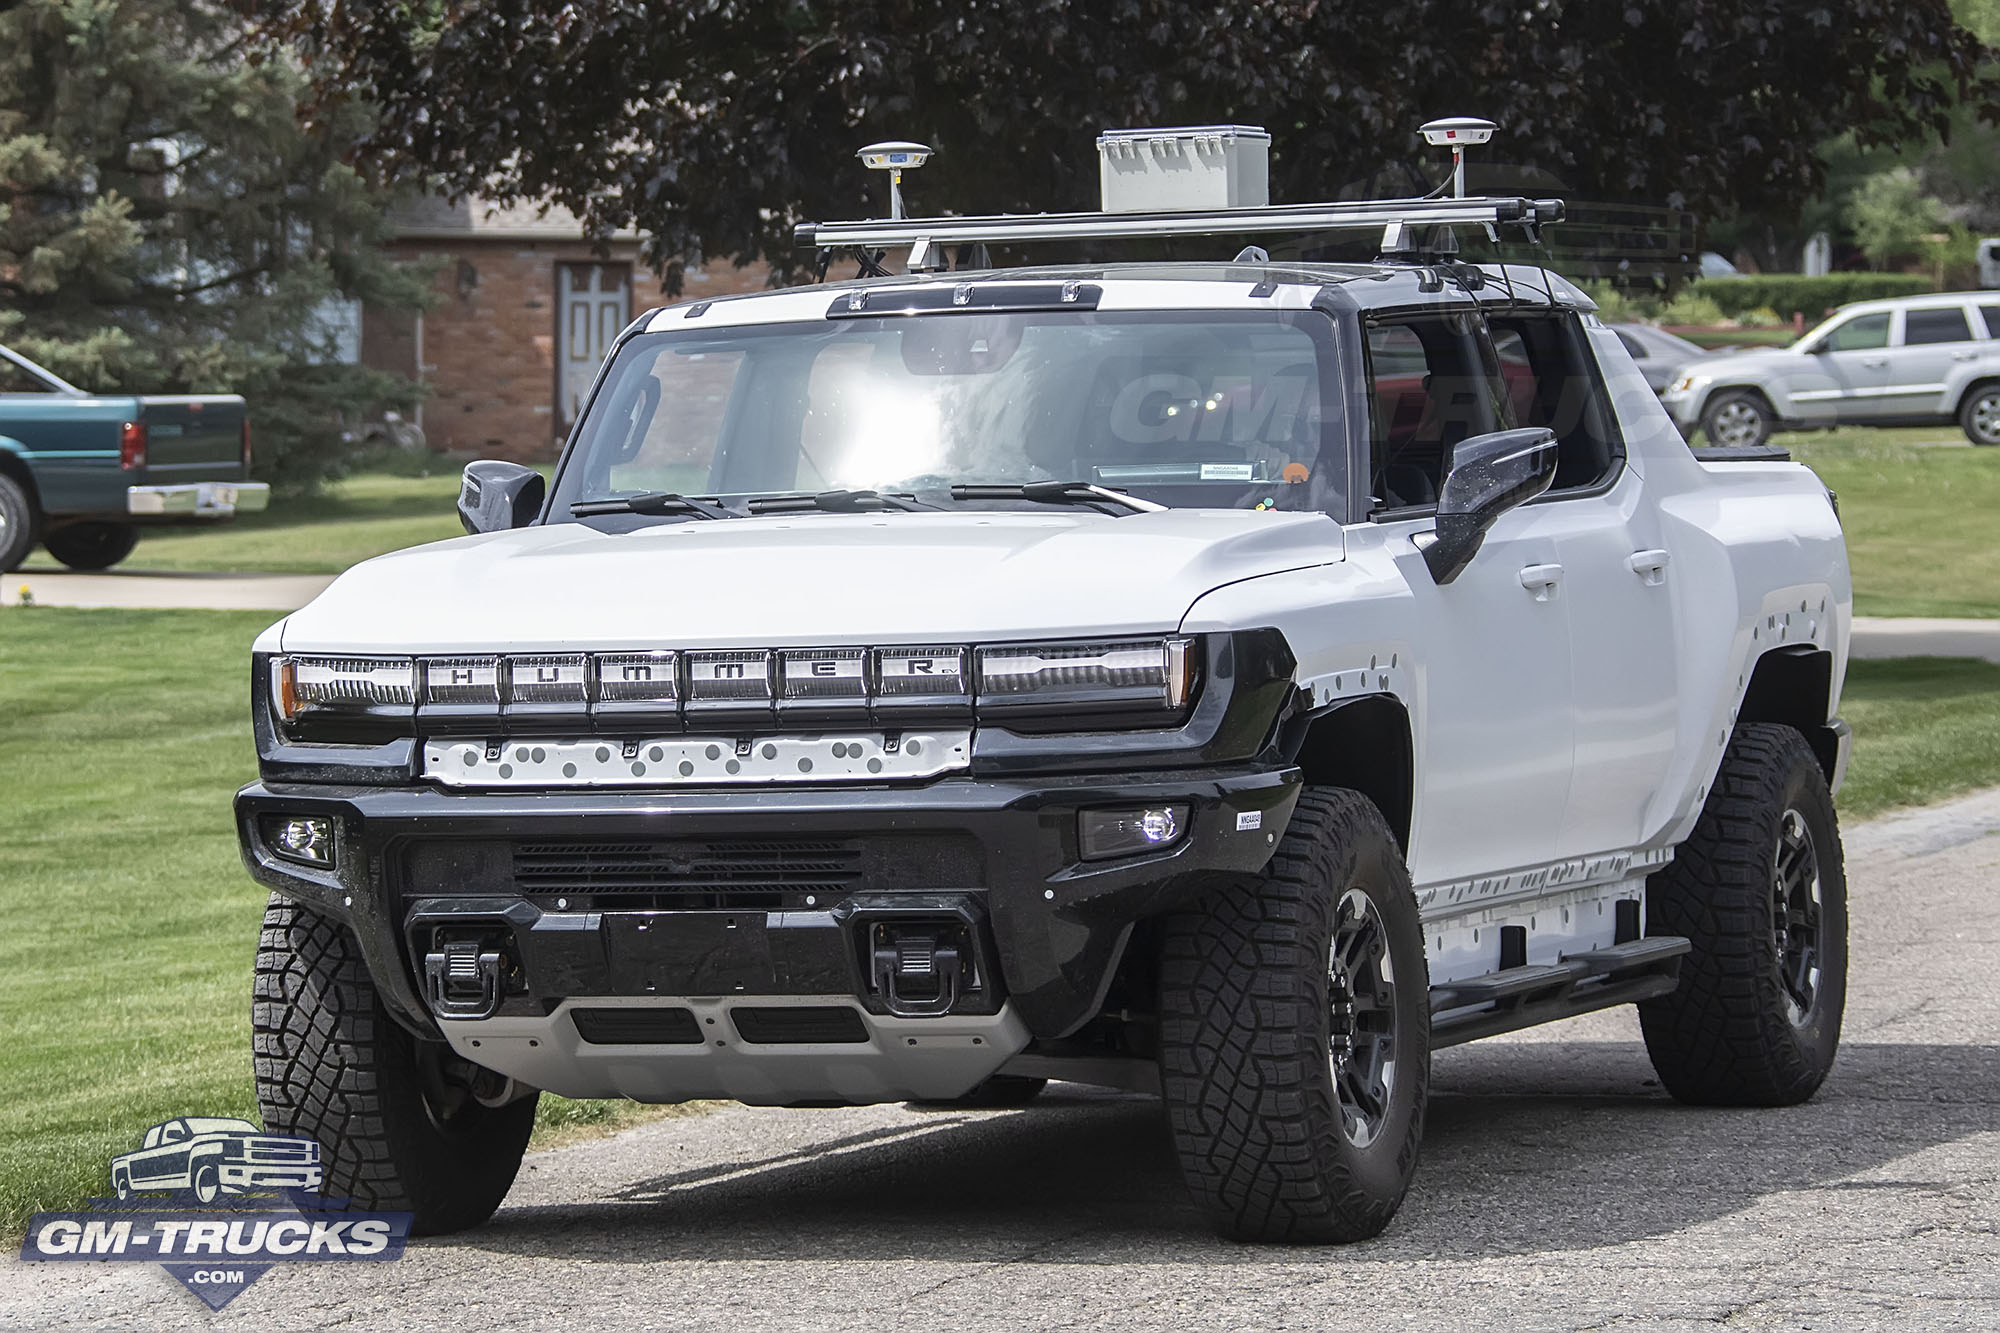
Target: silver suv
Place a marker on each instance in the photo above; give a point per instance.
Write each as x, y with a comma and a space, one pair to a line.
1913, 361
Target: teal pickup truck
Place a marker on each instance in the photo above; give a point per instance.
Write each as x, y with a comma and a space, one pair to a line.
82, 473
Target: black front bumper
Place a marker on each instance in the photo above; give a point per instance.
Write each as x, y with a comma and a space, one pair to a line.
1056, 925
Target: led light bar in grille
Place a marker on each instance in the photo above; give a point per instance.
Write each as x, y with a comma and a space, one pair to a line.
1077, 677
355, 686
737, 691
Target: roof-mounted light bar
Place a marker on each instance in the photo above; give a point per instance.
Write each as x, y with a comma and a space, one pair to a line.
1299, 219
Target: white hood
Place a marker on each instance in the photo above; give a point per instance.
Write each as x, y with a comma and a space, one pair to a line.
811, 579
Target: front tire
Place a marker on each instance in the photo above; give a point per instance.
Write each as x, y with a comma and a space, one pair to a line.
1739, 420
398, 1125
207, 1183
92, 545
1760, 891
19, 524
1979, 415
1295, 1033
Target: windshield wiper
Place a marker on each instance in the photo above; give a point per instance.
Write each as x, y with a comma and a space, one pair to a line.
1056, 493
651, 502
837, 502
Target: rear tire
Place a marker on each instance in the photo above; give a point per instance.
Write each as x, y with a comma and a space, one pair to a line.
1738, 420
19, 524
1295, 1033
91, 545
397, 1132
1760, 891
1979, 415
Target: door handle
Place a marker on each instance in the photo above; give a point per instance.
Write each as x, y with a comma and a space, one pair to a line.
1650, 566
1542, 580
1965, 356
1877, 363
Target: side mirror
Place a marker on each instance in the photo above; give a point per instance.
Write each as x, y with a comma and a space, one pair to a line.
494, 496
1489, 475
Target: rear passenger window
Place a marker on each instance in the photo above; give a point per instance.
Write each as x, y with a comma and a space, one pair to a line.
1935, 324
1991, 314
1549, 381
1430, 389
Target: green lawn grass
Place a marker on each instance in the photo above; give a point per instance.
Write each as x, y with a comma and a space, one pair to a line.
132, 926
1922, 518
131, 923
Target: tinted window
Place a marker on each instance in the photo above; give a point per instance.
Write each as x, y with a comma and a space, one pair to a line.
1548, 380
1935, 324
1634, 346
1991, 314
1431, 388
1858, 334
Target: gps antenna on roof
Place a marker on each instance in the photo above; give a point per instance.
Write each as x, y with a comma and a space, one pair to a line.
1458, 131
893, 157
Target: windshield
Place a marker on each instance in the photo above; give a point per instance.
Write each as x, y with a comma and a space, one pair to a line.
1208, 409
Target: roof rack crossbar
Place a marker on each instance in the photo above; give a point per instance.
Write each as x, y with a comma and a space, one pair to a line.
1358, 215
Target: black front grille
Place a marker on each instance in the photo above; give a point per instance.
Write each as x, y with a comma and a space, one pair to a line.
798, 1024
761, 865
637, 1027
777, 873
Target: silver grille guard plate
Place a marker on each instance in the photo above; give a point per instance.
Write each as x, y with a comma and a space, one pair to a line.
696, 761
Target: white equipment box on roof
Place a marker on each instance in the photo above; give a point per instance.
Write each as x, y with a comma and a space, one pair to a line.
1189, 167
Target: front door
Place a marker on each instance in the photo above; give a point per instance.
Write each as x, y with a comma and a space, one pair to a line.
593, 303
1845, 374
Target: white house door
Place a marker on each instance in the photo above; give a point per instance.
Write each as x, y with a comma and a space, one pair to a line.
593, 302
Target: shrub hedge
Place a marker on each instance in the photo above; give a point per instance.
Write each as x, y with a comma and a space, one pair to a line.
1787, 293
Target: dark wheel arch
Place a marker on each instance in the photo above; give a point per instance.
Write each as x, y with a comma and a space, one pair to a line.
1361, 744
1794, 687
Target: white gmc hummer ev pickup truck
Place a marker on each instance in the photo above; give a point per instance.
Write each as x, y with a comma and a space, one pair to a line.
1230, 681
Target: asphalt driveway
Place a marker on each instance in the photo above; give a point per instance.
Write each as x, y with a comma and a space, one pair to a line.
1559, 1189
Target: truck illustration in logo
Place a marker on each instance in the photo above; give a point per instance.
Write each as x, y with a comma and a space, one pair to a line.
211, 1156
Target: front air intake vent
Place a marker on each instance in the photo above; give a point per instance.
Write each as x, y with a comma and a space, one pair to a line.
798, 1025
637, 1027
757, 865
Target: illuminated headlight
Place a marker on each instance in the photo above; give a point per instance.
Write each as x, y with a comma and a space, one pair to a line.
1141, 675
1107, 833
342, 687
304, 839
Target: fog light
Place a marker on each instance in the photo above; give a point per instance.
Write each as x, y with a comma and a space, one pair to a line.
309, 841
1106, 833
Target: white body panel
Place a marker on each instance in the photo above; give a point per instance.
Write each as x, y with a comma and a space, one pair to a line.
1569, 695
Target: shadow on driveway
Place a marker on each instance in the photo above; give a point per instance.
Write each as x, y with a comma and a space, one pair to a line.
1530, 1147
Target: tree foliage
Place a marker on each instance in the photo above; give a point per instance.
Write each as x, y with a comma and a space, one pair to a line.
168, 223
714, 124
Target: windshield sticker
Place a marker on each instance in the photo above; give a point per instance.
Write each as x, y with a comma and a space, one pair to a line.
227, 1202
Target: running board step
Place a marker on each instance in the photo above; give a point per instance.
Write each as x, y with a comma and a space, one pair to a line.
1519, 997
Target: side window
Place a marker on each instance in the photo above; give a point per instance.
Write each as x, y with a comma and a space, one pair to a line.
1859, 334
1991, 314
1935, 324
1429, 389
1550, 381
1634, 346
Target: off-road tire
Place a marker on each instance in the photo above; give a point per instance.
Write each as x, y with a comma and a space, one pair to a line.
332, 1066
91, 545
19, 524
1979, 415
1246, 1067
1728, 421
1727, 1036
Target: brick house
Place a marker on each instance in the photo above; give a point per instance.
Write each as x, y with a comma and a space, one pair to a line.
527, 310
